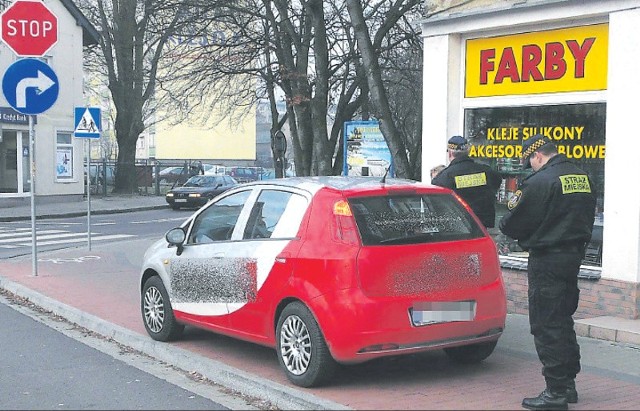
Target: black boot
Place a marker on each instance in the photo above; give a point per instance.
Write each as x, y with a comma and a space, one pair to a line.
547, 400
571, 394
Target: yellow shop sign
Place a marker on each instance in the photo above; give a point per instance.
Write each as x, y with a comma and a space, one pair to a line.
572, 59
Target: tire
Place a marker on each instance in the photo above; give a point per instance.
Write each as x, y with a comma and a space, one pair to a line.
157, 313
471, 354
302, 351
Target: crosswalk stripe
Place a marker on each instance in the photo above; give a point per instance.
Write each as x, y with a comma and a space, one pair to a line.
43, 237
15, 235
79, 240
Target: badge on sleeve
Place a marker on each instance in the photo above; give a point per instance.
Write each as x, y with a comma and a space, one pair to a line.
513, 201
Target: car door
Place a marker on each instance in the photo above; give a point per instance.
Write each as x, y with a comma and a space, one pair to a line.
204, 278
268, 245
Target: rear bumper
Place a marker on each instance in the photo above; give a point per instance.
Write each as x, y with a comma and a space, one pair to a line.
360, 328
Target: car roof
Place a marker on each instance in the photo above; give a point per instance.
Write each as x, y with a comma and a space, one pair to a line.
351, 184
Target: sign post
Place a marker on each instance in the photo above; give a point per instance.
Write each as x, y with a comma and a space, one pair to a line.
30, 86
88, 124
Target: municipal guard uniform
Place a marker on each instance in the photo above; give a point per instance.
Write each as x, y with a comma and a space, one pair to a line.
551, 215
476, 183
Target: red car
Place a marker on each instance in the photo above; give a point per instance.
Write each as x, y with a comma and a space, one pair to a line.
330, 270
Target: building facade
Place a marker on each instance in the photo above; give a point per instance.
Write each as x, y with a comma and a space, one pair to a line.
58, 156
499, 72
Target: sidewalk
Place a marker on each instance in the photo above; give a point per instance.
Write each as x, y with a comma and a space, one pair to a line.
99, 205
101, 295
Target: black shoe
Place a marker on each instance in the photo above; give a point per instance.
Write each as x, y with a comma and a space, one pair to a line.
547, 400
572, 395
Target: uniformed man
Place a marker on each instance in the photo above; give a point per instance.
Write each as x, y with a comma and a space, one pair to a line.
476, 183
551, 215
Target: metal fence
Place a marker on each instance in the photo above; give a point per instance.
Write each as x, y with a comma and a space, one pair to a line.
154, 177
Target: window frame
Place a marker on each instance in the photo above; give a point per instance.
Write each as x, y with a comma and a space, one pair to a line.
63, 148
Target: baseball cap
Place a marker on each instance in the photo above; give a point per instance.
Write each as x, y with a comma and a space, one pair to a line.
457, 143
530, 146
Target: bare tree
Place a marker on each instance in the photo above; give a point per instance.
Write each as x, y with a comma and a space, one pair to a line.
221, 55
379, 99
133, 36
306, 49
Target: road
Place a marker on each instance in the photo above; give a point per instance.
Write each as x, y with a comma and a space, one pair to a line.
49, 364
53, 234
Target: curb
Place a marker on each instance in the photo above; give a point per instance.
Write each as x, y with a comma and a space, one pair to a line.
82, 213
282, 396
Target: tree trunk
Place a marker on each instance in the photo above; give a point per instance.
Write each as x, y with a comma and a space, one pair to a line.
378, 94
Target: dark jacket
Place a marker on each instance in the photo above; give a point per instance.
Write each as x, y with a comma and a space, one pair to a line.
552, 207
476, 183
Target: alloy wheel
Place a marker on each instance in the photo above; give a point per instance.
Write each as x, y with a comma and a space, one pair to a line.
295, 345
154, 309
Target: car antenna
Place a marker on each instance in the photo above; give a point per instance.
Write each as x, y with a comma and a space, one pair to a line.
384, 177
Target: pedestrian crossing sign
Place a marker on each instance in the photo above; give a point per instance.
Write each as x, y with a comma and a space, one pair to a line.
87, 122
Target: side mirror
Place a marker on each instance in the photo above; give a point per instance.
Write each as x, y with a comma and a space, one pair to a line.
176, 236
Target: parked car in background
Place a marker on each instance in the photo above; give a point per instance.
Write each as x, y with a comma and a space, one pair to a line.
170, 175
328, 271
178, 174
244, 174
215, 169
198, 190
101, 173
269, 173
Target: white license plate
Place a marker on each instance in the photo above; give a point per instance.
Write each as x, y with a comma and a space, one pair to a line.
442, 312
181, 200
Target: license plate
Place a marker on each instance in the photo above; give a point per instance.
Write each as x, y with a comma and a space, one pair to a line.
442, 312
181, 200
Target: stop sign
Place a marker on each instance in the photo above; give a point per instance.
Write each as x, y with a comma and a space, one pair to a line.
29, 28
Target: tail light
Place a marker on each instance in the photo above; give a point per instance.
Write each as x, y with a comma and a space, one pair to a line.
345, 230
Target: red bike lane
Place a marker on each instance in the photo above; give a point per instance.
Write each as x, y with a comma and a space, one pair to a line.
104, 283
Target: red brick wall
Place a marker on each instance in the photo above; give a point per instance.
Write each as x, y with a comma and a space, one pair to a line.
603, 297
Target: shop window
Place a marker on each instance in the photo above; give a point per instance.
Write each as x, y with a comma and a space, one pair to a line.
496, 135
64, 156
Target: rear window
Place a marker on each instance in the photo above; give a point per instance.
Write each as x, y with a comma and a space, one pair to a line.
412, 219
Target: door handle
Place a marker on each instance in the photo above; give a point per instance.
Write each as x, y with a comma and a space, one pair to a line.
282, 257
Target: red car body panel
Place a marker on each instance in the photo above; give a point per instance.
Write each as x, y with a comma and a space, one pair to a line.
362, 296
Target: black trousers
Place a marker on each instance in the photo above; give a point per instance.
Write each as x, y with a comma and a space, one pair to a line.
553, 299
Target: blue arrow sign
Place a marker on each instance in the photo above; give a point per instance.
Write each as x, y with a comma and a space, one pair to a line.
30, 86
87, 122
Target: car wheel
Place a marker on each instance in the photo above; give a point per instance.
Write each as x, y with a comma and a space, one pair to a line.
302, 350
471, 354
157, 313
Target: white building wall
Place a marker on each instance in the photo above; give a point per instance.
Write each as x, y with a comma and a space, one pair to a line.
65, 58
621, 235
441, 96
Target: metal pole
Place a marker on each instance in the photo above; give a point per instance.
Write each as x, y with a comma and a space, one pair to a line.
89, 192
32, 188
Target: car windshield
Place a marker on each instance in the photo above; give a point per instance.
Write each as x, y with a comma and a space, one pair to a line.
203, 181
412, 219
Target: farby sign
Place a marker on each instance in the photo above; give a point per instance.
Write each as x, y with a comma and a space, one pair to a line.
564, 60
